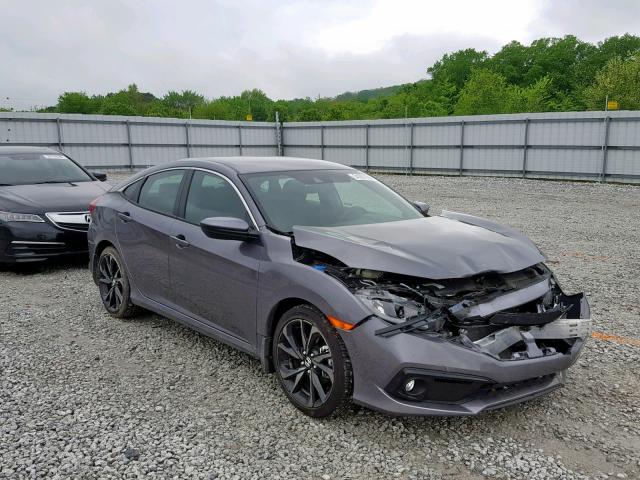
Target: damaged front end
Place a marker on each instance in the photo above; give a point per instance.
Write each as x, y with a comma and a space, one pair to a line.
508, 316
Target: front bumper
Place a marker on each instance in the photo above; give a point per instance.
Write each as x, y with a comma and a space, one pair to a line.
461, 381
25, 242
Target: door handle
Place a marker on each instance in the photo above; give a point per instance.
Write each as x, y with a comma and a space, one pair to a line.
181, 241
125, 216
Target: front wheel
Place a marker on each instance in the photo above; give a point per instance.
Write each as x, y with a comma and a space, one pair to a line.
115, 289
311, 362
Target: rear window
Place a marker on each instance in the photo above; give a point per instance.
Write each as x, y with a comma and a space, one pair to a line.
160, 191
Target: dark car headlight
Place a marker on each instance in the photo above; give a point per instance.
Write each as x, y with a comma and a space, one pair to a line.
20, 217
393, 311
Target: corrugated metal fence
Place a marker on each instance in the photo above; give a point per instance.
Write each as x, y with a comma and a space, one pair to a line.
601, 146
117, 142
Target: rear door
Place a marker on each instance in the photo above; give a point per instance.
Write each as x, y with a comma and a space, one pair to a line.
143, 229
215, 281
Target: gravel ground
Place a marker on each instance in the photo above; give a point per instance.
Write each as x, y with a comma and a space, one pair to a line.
87, 396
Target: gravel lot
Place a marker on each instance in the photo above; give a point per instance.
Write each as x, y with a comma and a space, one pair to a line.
87, 396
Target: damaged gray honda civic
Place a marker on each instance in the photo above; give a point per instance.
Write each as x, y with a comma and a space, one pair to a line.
338, 284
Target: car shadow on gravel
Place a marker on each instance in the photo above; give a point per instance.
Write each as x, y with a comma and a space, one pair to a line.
49, 266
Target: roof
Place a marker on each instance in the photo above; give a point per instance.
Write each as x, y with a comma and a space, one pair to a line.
12, 149
266, 164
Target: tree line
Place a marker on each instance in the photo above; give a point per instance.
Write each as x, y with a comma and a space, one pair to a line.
550, 74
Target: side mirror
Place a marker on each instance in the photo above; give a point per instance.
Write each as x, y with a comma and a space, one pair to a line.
228, 228
100, 176
422, 207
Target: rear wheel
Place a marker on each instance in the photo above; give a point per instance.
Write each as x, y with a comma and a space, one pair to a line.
115, 290
311, 362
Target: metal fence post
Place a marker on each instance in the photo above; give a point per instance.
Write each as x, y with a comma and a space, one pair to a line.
525, 148
605, 149
59, 127
411, 149
366, 147
240, 138
461, 147
186, 132
129, 144
279, 134
321, 142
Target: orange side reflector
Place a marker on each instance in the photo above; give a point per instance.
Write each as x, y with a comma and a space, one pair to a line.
339, 323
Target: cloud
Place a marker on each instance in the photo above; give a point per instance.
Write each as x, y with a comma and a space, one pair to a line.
589, 20
288, 48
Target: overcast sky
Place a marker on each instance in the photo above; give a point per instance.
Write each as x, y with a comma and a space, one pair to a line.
288, 48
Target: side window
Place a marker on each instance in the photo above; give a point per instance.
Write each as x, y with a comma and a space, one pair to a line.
133, 191
160, 191
212, 196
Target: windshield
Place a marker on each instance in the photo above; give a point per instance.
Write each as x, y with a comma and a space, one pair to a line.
325, 198
26, 169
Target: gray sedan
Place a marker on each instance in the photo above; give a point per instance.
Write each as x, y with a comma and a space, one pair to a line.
339, 285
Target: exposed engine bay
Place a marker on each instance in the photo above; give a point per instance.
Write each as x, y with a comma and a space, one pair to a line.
509, 316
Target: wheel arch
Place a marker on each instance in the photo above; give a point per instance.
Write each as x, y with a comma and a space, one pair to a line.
274, 316
102, 244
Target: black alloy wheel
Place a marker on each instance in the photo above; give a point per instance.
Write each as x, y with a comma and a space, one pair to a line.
114, 284
311, 362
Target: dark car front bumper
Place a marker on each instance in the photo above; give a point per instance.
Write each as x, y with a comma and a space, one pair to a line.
451, 379
24, 242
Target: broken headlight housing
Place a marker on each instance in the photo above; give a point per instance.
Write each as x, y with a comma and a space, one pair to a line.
389, 306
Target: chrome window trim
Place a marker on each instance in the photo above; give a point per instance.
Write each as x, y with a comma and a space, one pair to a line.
224, 177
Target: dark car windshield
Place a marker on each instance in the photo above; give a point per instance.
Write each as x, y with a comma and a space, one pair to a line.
325, 198
26, 169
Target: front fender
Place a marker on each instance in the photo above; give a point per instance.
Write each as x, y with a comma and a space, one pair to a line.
279, 282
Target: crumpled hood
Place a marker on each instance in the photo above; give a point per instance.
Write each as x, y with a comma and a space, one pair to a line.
52, 197
452, 245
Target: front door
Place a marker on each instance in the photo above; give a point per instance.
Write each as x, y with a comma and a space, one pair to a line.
215, 281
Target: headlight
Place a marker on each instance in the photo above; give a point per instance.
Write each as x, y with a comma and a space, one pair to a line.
390, 307
19, 217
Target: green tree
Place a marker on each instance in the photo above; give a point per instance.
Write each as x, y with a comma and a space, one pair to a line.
484, 93
115, 106
182, 103
618, 80
512, 62
456, 67
76, 102
534, 98
488, 92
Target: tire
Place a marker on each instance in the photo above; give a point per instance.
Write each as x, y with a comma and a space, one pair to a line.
307, 351
115, 289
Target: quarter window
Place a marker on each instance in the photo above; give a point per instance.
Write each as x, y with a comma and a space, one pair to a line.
212, 196
160, 191
133, 191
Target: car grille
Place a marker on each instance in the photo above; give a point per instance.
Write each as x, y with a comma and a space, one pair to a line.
77, 221
74, 226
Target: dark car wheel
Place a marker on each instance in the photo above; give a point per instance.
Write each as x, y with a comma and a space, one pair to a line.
114, 285
311, 362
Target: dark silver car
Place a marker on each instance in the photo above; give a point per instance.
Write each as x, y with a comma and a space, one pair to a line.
338, 284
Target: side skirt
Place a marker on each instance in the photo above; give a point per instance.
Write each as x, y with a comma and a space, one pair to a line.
206, 329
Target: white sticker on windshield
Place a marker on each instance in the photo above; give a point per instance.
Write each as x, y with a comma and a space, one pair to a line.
360, 176
57, 157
